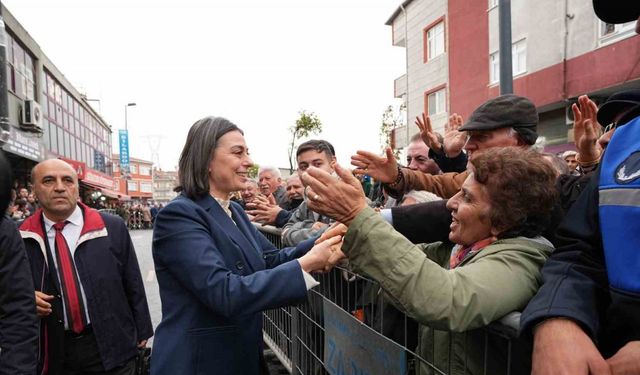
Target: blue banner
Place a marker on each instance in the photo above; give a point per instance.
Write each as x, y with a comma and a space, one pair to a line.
351, 347
124, 151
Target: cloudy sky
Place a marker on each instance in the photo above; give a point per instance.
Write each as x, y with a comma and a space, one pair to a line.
256, 62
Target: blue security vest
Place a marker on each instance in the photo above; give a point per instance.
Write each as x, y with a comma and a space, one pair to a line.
619, 208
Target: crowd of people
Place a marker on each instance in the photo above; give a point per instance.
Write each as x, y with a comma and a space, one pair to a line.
493, 204
477, 224
456, 248
137, 215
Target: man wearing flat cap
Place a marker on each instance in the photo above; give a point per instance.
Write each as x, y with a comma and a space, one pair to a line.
507, 120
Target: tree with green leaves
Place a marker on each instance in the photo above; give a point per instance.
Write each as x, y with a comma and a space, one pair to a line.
392, 118
253, 171
307, 123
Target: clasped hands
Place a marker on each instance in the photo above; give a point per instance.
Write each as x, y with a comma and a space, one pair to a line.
327, 250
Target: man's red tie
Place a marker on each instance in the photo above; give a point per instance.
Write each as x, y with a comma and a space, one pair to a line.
70, 282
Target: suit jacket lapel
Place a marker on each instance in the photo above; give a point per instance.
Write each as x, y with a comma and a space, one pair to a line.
245, 227
233, 230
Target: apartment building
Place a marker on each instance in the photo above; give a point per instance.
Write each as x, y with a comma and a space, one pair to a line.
560, 50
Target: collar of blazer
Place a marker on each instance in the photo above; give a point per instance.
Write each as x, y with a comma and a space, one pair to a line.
238, 228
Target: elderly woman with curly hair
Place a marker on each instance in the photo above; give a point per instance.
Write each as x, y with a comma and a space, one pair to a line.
490, 267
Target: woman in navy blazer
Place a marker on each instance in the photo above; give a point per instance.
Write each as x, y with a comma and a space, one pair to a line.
216, 272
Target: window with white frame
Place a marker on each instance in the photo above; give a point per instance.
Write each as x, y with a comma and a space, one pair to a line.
610, 33
435, 41
436, 102
146, 187
518, 61
494, 68
144, 170
519, 57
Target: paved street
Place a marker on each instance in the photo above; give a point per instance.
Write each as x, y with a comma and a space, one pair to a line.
142, 242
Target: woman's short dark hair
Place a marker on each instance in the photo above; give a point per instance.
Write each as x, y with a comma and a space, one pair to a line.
202, 140
521, 188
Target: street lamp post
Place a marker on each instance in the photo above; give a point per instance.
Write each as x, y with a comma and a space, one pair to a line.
125, 113
123, 173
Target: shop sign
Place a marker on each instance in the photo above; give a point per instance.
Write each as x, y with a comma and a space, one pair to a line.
97, 178
27, 145
79, 166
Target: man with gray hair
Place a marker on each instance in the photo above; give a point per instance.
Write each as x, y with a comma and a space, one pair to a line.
262, 211
270, 184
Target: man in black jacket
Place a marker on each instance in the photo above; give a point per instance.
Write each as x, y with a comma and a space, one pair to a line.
585, 298
18, 321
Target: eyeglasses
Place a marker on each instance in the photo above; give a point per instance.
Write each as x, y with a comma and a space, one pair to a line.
610, 127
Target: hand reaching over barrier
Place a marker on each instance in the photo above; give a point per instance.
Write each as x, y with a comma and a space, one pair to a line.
586, 129
429, 137
341, 200
454, 140
382, 168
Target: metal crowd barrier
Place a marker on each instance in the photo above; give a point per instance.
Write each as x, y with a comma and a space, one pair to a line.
348, 326
135, 219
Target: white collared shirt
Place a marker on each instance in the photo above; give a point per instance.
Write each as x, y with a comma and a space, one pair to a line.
71, 233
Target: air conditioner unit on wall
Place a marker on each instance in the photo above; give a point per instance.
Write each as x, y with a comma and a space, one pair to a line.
31, 116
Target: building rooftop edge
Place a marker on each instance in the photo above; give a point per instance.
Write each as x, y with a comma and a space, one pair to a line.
396, 12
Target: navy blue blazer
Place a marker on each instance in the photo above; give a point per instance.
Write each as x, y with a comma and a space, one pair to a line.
216, 277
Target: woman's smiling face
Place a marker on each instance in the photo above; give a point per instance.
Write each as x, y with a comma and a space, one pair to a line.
229, 167
470, 211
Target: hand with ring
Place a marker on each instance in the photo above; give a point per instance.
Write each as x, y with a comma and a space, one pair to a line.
341, 199
310, 194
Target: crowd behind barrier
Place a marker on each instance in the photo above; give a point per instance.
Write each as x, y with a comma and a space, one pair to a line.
137, 215
297, 334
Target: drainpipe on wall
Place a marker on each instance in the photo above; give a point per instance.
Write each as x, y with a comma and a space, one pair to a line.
406, 75
567, 18
506, 69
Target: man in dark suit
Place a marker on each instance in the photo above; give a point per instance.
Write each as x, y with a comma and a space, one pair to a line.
89, 291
